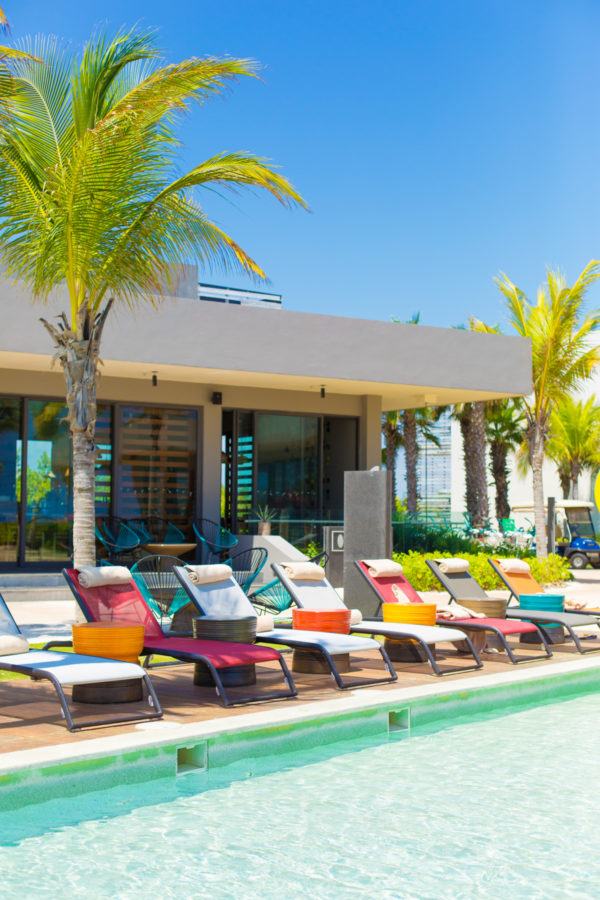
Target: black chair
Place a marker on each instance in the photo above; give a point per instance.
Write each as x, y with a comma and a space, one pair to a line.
214, 539
246, 565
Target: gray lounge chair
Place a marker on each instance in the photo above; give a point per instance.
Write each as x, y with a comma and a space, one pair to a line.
322, 595
226, 599
71, 669
462, 587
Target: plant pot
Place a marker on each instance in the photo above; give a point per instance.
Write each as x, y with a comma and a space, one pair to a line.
264, 528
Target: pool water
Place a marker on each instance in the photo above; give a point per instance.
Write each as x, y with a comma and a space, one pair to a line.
502, 808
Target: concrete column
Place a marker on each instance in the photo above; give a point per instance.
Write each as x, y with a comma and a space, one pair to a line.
211, 462
369, 445
367, 532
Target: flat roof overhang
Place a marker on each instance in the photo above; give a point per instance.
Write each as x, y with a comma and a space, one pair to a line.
185, 340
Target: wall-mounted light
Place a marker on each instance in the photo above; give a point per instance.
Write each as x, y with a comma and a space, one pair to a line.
216, 398
322, 392
154, 379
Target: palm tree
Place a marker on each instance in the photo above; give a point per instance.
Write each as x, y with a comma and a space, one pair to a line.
471, 417
89, 198
504, 431
562, 359
574, 440
391, 428
8, 52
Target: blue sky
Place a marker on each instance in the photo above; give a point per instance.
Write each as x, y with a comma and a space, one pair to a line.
437, 142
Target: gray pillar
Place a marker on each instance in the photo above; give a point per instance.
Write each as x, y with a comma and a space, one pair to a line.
367, 532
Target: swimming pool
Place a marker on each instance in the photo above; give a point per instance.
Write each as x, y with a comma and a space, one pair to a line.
500, 808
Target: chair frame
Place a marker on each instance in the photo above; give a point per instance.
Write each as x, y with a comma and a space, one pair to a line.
372, 628
316, 646
184, 656
448, 586
545, 618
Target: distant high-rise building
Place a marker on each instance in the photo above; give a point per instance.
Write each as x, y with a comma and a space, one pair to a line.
434, 470
216, 293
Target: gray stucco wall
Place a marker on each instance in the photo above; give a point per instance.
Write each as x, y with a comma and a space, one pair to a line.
185, 332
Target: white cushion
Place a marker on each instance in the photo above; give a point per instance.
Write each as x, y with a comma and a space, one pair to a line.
97, 576
13, 643
454, 564
265, 622
303, 571
383, 568
514, 566
209, 574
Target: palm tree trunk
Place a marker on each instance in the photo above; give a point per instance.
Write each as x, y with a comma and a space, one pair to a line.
79, 361
478, 443
575, 473
536, 440
391, 450
411, 452
499, 471
470, 491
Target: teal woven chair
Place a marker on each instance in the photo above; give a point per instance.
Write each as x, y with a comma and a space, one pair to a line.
214, 540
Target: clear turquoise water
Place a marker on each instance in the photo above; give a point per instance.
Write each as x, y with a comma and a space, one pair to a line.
504, 808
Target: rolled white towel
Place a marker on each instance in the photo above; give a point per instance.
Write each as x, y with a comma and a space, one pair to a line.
382, 568
514, 566
451, 611
265, 622
453, 565
97, 576
11, 644
208, 574
303, 571
355, 617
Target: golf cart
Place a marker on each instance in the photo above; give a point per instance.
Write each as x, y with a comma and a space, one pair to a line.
575, 535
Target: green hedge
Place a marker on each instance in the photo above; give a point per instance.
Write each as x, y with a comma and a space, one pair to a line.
547, 571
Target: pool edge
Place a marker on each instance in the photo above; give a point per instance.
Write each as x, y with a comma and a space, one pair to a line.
167, 750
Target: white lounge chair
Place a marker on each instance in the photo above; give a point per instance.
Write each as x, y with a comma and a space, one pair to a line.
320, 594
226, 599
69, 669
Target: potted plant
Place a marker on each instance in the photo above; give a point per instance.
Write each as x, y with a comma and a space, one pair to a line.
265, 516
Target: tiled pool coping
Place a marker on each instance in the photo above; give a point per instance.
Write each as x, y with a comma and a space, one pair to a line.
258, 739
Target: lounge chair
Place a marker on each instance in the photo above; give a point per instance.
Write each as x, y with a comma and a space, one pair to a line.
500, 628
124, 602
546, 619
226, 599
313, 594
70, 669
462, 587
523, 582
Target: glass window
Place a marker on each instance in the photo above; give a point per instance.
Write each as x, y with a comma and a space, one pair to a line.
287, 450
11, 411
48, 483
103, 460
157, 464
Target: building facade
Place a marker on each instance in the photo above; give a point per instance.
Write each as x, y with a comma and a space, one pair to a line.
210, 409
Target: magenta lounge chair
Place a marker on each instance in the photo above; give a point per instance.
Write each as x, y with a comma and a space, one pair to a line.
501, 628
124, 602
